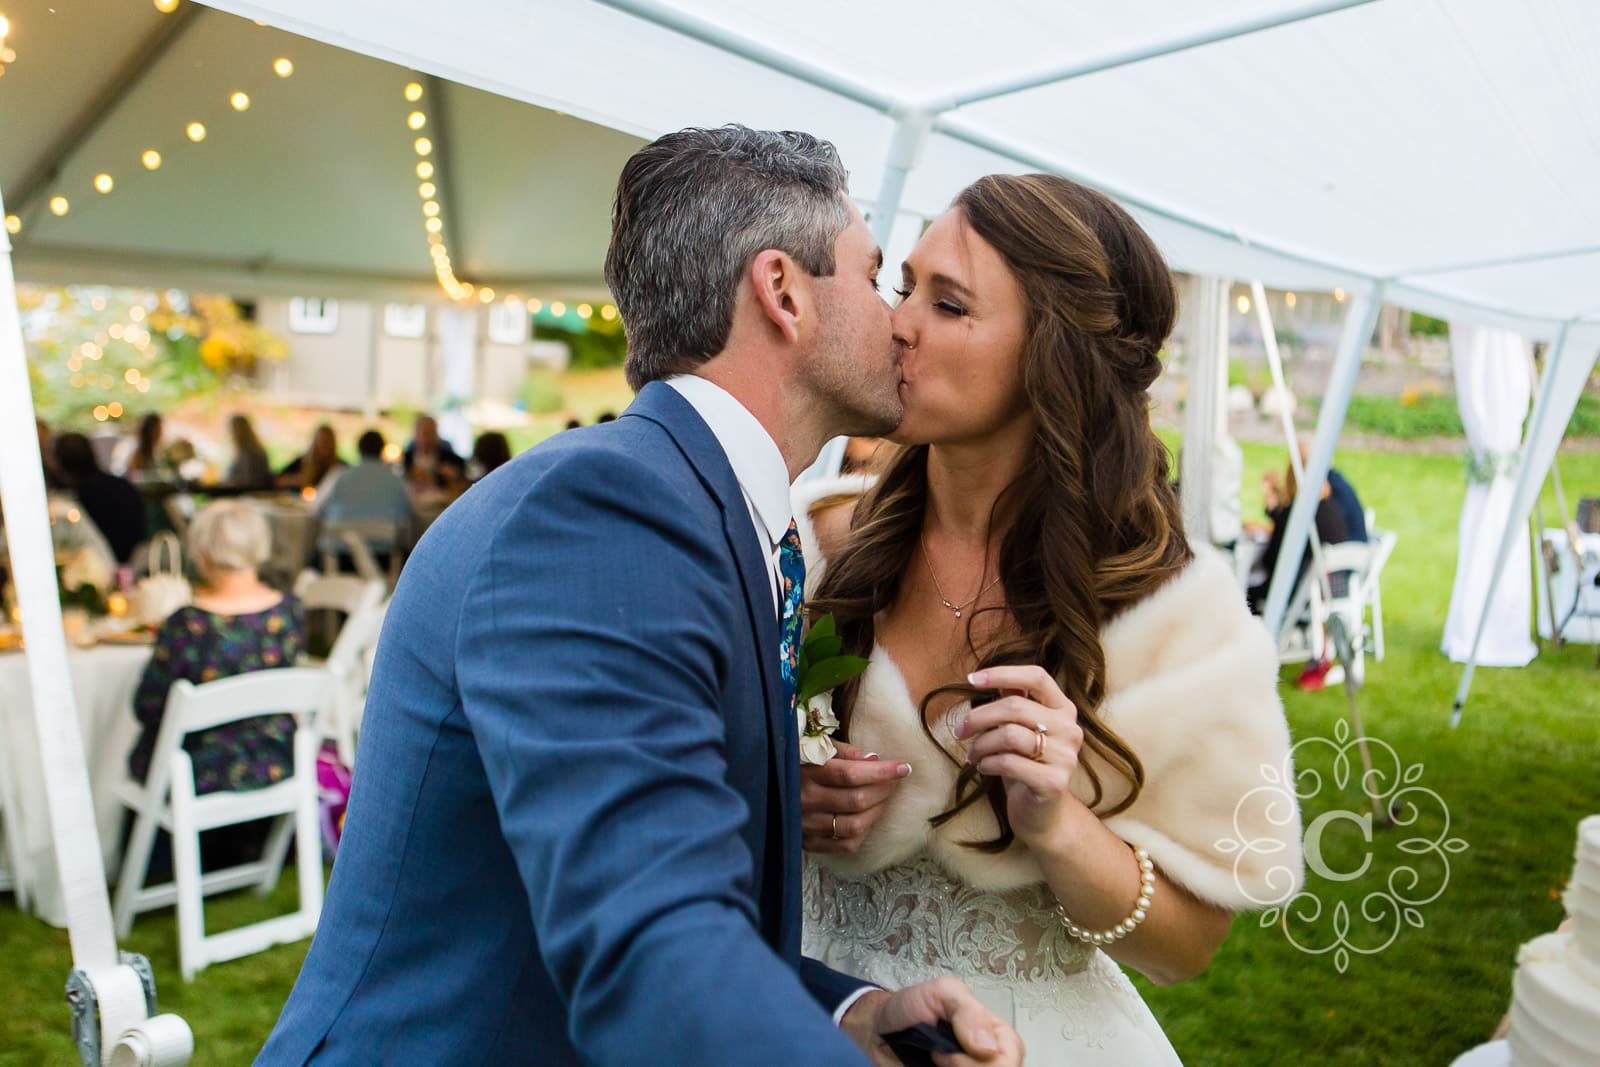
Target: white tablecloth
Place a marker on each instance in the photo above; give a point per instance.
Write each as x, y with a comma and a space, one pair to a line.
103, 681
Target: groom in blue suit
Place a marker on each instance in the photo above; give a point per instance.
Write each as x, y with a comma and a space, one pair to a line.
574, 836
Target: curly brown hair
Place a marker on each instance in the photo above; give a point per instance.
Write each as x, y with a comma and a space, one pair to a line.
1097, 526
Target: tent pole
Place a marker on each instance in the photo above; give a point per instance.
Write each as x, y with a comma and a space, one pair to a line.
1205, 367
905, 148
1358, 325
1269, 338
1564, 376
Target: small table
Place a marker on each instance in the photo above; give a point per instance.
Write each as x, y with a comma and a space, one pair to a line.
103, 681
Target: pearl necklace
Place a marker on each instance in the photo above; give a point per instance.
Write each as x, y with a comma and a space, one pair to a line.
927, 561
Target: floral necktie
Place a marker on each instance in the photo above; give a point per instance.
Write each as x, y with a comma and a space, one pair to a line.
792, 570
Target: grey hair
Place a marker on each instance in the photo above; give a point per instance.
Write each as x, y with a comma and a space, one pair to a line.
229, 535
693, 208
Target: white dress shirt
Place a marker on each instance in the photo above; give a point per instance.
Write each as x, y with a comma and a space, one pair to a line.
764, 479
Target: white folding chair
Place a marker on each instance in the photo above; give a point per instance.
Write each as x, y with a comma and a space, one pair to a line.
1383, 542
168, 800
357, 536
350, 663
346, 594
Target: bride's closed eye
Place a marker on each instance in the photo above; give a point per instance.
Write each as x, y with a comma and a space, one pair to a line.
949, 307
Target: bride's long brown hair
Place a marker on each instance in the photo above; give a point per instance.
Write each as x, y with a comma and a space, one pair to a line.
1097, 526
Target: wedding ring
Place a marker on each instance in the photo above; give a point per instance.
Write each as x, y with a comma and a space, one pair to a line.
833, 827
1038, 751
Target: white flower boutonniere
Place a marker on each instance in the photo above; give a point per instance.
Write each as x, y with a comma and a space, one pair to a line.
822, 669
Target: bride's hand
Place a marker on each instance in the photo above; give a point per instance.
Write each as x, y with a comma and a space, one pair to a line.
1030, 738
842, 799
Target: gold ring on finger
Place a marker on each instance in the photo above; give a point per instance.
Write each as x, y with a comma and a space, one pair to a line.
833, 826
1038, 750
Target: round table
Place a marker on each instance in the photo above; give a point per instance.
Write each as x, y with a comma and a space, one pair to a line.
103, 681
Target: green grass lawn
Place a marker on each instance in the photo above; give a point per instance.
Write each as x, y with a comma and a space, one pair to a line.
1515, 778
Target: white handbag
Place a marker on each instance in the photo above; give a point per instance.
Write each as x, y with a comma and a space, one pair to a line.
164, 590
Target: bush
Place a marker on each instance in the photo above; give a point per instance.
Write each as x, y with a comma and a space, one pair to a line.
1428, 326
1426, 415
541, 391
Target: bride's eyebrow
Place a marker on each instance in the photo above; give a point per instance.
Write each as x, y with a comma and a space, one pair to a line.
939, 279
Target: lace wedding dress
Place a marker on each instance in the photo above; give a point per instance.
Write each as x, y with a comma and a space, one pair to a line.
911, 921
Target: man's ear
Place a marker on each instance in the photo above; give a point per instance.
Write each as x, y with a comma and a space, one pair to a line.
779, 287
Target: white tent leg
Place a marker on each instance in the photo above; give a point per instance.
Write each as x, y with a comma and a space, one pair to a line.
1564, 376
905, 149
1358, 326
1206, 371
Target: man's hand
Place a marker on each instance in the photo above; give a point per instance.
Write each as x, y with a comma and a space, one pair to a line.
842, 799
985, 1037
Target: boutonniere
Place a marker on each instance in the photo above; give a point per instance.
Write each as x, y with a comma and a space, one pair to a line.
823, 668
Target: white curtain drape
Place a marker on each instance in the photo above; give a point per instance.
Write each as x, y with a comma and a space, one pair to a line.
1493, 388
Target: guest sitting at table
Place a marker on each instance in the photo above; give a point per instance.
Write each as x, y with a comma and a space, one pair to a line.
236, 624
369, 490
113, 503
308, 470
1278, 497
430, 462
489, 451
251, 469
142, 462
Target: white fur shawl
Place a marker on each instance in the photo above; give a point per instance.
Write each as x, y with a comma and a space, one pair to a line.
1191, 681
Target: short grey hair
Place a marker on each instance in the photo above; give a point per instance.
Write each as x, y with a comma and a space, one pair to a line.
693, 208
229, 535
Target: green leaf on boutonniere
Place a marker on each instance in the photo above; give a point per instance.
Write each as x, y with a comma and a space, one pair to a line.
829, 673
822, 628
822, 648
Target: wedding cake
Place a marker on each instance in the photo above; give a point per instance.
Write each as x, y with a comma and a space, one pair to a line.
1555, 1007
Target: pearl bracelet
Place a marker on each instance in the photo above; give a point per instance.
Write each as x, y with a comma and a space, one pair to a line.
1147, 889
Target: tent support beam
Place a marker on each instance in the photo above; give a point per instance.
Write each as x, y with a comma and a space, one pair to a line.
1498, 261
1182, 42
1564, 374
443, 158
1358, 326
905, 148
1206, 374
126, 78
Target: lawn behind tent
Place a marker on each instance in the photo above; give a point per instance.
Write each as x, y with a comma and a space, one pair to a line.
1515, 778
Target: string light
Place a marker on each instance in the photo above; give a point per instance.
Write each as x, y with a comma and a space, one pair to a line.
59, 206
114, 409
423, 146
240, 101
585, 311
416, 120
1288, 298
1338, 294
13, 224
151, 159
430, 208
282, 67
5, 27
426, 190
534, 305
103, 183
609, 313
486, 295
413, 92
424, 170
1243, 304
196, 131
433, 225
558, 309
166, 7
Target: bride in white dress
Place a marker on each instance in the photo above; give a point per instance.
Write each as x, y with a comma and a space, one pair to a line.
1083, 699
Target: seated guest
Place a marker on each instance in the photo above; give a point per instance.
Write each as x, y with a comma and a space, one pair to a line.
1278, 497
430, 462
237, 624
251, 469
489, 451
47, 456
605, 416
1343, 495
369, 490
309, 469
144, 463
113, 503
573, 424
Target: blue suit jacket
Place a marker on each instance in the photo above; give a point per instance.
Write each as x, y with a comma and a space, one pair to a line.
574, 835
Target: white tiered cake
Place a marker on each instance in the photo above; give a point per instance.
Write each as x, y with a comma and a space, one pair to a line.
1555, 1006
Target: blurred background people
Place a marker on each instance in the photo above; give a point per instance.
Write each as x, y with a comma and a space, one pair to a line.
1339, 517
489, 451
308, 469
430, 462
369, 490
112, 503
143, 461
250, 468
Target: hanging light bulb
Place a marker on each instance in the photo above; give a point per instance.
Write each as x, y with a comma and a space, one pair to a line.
166, 7
59, 206
413, 92
103, 183
13, 224
426, 190
5, 27
558, 309
486, 295
433, 225
240, 101
282, 67
609, 312
151, 159
196, 131
1289, 298
422, 145
430, 208
416, 120
535, 304
1243, 304
585, 311
424, 170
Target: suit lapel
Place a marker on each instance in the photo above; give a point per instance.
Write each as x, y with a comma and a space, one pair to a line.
663, 405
